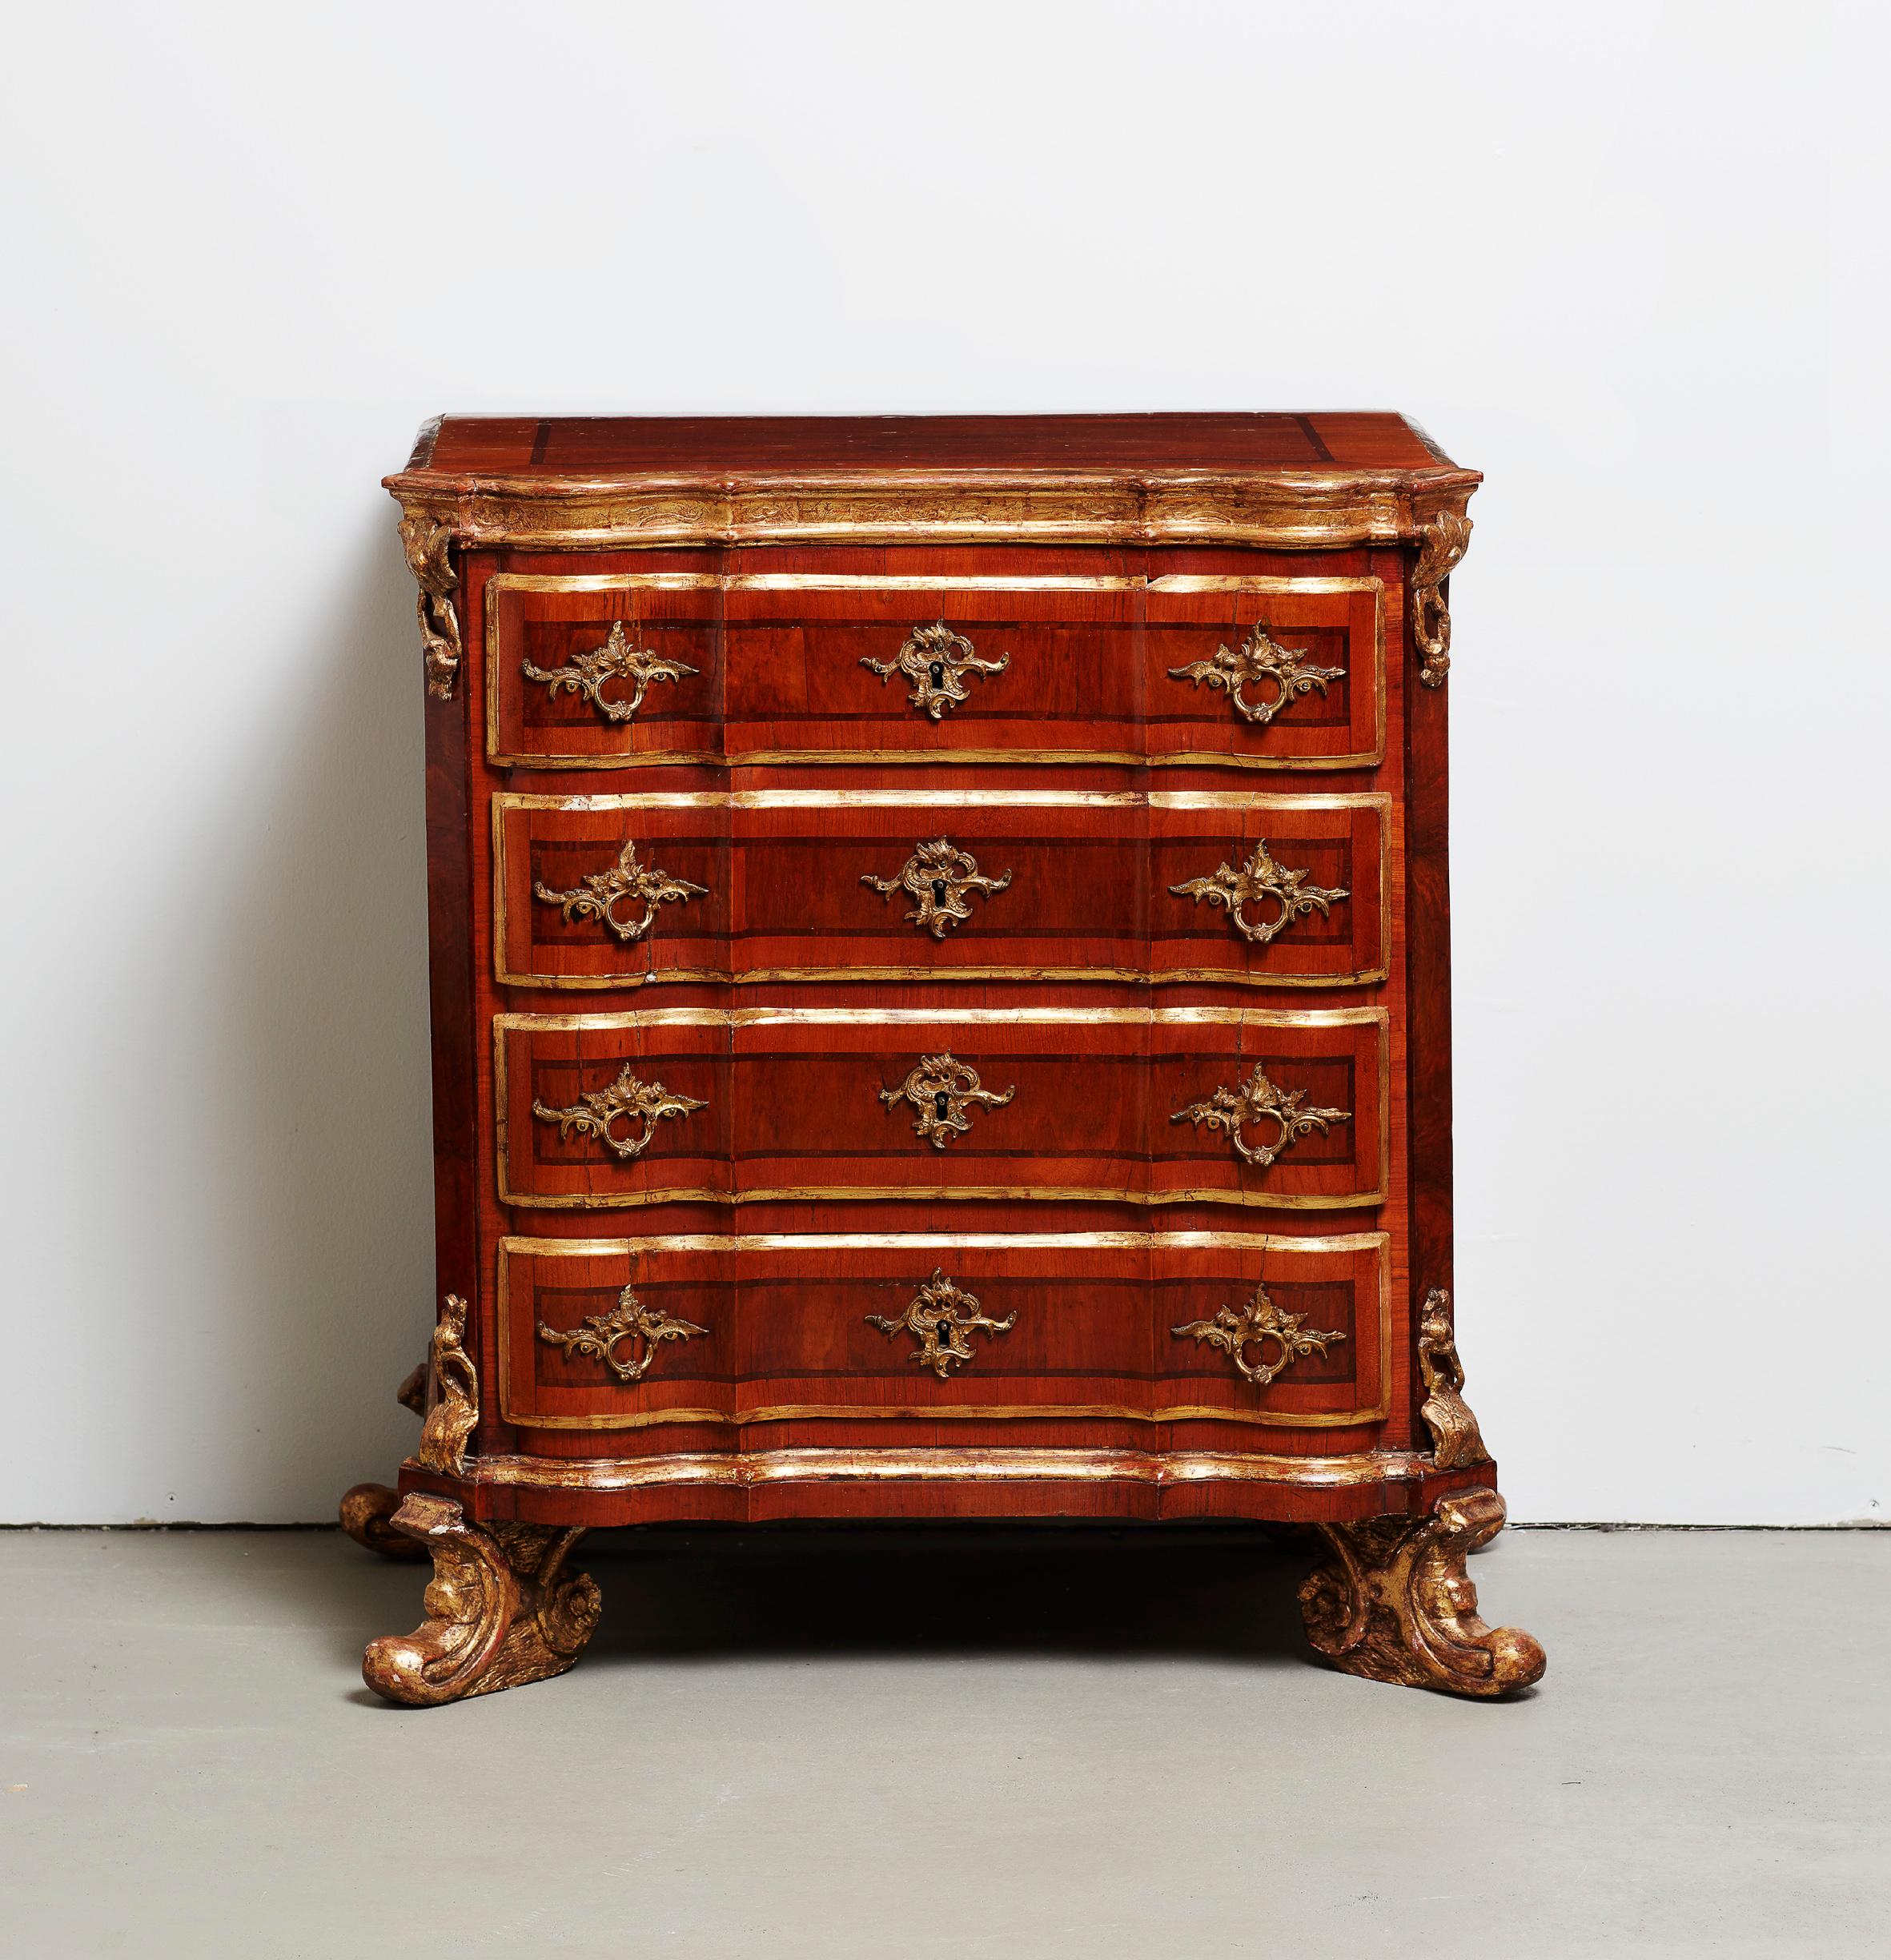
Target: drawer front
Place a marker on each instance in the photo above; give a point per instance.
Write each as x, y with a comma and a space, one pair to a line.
604, 670
620, 669
972, 884
1242, 1106
1244, 1328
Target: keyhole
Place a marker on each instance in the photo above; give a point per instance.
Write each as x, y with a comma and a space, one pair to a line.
938, 891
941, 1106
937, 671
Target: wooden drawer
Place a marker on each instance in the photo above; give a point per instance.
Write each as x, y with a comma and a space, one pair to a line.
967, 883
624, 1333
612, 670
1217, 1105
604, 670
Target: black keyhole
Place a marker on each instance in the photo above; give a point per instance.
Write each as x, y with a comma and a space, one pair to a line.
941, 1106
938, 891
937, 671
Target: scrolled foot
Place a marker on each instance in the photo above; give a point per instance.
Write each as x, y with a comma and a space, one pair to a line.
500, 1609
1393, 1603
365, 1510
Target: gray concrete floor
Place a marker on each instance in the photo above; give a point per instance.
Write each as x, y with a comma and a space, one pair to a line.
944, 1744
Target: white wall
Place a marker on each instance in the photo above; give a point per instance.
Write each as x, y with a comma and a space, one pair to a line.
1628, 259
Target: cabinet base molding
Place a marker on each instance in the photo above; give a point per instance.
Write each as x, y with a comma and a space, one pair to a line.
1393, 1603
501, 1610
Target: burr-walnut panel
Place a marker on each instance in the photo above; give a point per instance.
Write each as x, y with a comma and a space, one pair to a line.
971, 883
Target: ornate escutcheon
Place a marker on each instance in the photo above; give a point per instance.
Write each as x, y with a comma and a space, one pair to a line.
588, 674
940, 1318
601, 893
627, 1101
1235, 1329
630, 1321
941, 1089
1261, 878
1259, 663
936, 659
942, 878
1258, 1100
1442, 543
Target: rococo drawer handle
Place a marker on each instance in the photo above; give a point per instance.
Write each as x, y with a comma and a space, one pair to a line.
940, 877
936, 659
1259, 661
588, 673
643, 1327
628, 1101
1261, 878
940, 1088
603, 891
1258, 1100
1236, 1329
940, 1317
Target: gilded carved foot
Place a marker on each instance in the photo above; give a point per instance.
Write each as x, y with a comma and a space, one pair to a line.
1393, 1603
500, 1609
365, 1511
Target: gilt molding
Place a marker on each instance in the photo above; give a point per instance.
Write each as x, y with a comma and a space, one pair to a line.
1286, 510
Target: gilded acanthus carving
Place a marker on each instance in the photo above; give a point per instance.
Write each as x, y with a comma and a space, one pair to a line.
1261, 880
598, 895
640, 1105
1455, 1437
639, 1329
501, 1609
366, 1508
1393, 1603
1258, 663
1259, 1100
455, 1413
941, 1090
588, 674
428, 544
1236, 1329
936, 659
940, 1318
942, 878
1441, 544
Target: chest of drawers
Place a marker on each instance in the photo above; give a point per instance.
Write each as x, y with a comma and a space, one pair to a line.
940, 966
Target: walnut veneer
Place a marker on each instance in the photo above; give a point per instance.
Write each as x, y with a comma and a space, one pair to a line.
940, 1003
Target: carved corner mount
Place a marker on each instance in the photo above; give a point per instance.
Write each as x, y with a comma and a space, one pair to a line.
1262, 879
1442, 543
641, 1330
501, 1610
1236, 1329
941, 1317
429, 546
1392, 1603
942, 878
1454, 1438
455, 1412
942, 1089
1259, 1100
